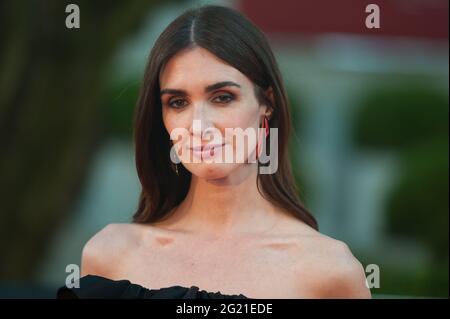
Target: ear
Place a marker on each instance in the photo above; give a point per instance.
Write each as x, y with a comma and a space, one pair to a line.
268, 109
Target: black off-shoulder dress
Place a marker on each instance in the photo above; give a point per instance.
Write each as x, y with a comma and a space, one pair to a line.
99, 287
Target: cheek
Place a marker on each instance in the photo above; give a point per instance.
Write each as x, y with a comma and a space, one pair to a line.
178, 129
244, 118
174, 121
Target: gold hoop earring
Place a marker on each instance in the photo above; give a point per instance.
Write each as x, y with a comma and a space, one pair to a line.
175, 168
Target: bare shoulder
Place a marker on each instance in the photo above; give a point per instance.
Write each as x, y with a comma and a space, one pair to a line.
325, 267
107, 247
328, 267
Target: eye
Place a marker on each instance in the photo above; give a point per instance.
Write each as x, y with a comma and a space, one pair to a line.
224, 98
176, 104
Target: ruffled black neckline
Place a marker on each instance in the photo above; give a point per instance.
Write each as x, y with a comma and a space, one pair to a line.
92, 286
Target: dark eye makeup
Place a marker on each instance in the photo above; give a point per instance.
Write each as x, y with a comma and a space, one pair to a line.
222, 99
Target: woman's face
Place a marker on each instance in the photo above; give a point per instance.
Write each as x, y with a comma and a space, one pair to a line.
203, 96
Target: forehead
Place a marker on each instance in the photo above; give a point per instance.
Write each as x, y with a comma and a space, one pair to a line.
198, 67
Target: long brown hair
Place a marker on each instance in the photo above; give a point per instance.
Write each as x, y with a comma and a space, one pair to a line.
233, 38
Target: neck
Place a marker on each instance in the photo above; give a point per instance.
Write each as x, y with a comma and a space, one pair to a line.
225, 206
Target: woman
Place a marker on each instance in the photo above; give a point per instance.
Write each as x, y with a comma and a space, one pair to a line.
220, 227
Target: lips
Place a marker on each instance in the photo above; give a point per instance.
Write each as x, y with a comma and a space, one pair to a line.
206, 151
205, 148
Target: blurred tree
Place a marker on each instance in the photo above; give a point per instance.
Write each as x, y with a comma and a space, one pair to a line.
51, 80
418, 204
411, 118
118, 107
299, 115
402, 115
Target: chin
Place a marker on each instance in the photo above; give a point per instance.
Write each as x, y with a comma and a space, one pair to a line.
210, 170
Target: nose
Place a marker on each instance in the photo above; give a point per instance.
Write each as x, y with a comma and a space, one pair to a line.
202, 123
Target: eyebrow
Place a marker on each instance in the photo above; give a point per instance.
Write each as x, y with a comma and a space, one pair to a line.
209, 88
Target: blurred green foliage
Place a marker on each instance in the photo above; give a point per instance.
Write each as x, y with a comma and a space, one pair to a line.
400, 116
299, 115
51, 81
411, 119
118, 107
418, 204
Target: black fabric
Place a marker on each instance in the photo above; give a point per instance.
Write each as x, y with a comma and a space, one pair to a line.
99, 287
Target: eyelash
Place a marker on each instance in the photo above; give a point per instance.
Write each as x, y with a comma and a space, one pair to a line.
230, 98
